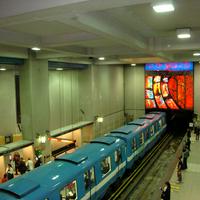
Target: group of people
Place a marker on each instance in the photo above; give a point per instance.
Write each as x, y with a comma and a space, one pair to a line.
182, 165
182, 162
18, 165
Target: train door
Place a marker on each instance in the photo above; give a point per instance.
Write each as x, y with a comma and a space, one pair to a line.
89, 181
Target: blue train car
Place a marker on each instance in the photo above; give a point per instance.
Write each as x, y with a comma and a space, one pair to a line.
141, 134
91, 170
84, 174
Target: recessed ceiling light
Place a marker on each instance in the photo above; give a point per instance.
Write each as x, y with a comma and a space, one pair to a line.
101, 58
183, 33
133, 64
161, 6
184, 36
59, 69
35, 48
3, 69
196, 54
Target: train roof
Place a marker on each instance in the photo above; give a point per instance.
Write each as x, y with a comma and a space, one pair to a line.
55, 173
133, 127
101, 146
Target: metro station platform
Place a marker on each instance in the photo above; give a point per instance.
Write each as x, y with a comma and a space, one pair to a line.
190, 187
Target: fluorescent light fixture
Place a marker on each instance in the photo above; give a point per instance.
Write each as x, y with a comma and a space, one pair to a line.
59, 69
3, 69
183, 33
99, 119
42, 139
133, 64
161, 6
35, 48
101, 58
196, 54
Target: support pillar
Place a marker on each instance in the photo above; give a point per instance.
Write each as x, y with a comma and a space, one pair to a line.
34, 98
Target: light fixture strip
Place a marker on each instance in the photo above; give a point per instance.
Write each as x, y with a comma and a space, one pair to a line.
162, 6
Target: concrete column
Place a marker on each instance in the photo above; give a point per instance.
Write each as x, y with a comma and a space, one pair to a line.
34, 97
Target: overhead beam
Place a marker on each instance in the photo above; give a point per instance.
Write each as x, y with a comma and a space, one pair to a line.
110, 28
18, 39
20, 11
13, 52
54, 53
67, 39
9, 8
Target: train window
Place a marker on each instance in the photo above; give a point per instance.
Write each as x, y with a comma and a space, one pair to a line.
69, 191
160, 123
163, 121
134, 146
146, 134
141, 138
118, 156
89, 179
152, 130
105, 165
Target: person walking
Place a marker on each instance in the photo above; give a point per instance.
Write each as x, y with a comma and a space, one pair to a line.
166, 191
179, 168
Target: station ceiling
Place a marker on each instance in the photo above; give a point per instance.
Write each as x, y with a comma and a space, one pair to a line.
123, 31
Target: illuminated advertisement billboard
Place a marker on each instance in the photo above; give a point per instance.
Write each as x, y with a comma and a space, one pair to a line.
169, 86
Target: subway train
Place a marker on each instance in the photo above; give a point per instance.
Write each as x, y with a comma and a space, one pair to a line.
88, 172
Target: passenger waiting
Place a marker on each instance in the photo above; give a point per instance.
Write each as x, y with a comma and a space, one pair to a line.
166, 191
38, 162
179, 168
22, 166
29, 165
185, 157
10, 172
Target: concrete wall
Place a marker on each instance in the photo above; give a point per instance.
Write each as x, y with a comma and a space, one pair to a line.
8, 124
134, 91
63, 98
102, 94
80, 95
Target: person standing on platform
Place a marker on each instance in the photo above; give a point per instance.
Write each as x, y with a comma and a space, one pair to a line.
22, 166
185, 157
189, 133
10, 172
179, 168
166, 191
187, 144
197, 132
29, 165
38, 162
